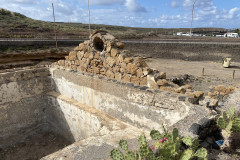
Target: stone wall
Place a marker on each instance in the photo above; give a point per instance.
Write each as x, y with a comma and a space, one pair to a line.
104, 55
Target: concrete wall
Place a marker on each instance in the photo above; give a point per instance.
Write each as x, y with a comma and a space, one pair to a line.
69, 119
135, 105
22, 108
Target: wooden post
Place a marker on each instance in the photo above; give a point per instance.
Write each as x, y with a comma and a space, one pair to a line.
203, 71
54, 26
192, 17
89, 25
233, 74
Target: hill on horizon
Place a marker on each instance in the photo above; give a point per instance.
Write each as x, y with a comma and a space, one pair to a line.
16, 25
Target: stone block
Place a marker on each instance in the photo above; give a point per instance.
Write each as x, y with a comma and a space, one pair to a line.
163, 75
131, 68
81, 68
97, 55
82, 47
116, 69
143, 81
139, 72
77, 62
151, 83
169, 89
110, 74
181, 90
86, 55
114, 52
128, 60
61, 62
96, 70
162, 82
120, 45
77, 49
127, 78
135, 80
118, 76
140, 62
198, 94
110, 61
147, 71
80, 55
103, 71
72, 55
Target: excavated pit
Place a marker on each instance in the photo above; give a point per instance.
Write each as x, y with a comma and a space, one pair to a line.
86, 104
35, 124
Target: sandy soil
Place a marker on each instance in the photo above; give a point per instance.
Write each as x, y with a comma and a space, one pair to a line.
214, 72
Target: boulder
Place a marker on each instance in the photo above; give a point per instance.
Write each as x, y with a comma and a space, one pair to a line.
198, 94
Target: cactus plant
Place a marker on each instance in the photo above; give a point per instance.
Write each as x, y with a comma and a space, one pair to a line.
187, 140
142, 140
123, 144
117, 154
155, 135
228, 122
130, 156
167, 147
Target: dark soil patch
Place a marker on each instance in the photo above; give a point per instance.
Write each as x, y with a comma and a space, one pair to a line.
34, 147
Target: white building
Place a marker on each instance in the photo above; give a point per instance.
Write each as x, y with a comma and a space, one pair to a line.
231, 35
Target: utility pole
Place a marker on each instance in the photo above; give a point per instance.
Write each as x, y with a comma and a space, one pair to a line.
54, 26
89, 18
192, 17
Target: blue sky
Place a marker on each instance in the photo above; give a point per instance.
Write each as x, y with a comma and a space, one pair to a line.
135, 13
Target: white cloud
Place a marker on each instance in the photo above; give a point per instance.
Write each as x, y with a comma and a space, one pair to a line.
106, 2
20, 1
134, 6
175, 3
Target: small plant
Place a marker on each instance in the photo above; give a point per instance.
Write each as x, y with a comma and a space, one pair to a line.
228, 122
166, 147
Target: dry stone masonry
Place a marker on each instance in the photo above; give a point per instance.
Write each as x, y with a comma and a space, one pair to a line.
104, 55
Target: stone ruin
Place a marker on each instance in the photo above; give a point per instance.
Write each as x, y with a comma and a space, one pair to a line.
104, 55
98, 95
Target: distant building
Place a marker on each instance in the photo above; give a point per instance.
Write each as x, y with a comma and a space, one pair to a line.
179, 33
231, 35
220, 35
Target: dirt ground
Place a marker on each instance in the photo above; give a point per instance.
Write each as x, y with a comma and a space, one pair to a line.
34, 147
214, 72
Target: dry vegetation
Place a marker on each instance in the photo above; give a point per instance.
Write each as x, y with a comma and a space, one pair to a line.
15, 25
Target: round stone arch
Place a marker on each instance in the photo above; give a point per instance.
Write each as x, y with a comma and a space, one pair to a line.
98, 44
